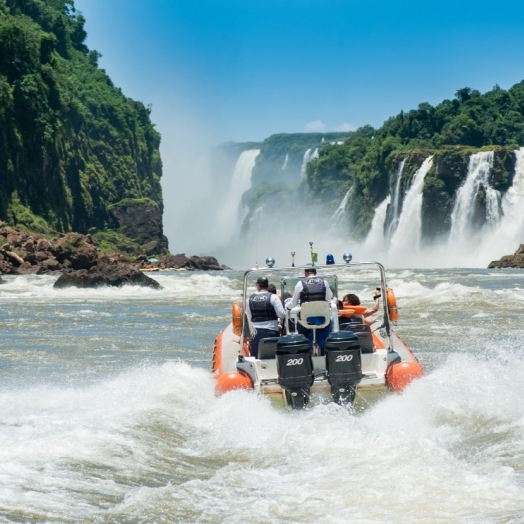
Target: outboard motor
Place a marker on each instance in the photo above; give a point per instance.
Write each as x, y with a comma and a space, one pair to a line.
343, 365
295, 368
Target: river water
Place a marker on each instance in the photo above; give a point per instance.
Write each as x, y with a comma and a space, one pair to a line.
108, 412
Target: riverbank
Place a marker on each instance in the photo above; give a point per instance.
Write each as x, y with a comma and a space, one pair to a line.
27, 253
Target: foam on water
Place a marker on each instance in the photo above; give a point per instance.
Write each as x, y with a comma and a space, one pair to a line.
152, 443
175, 286
435, 452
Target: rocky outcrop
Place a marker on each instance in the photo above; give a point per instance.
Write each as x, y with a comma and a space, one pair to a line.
141, 221
22, 252
516, 260
193, 263
106, 273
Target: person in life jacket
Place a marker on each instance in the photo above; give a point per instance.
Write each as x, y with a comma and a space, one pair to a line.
308, 289
264, 309
368, 316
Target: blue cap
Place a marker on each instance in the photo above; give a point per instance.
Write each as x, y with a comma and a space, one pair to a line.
330, 259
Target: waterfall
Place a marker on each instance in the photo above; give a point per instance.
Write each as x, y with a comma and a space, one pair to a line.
233, 213
509, 232
406, 238
375, 238
394, 211
285, 162
309, 155
338, 216
479, 171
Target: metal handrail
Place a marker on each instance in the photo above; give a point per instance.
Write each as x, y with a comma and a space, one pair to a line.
383, 288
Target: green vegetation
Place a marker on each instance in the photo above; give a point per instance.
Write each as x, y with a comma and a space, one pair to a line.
274, 150
452, 131
71, 143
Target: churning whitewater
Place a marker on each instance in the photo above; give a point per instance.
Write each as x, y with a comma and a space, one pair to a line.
109, 413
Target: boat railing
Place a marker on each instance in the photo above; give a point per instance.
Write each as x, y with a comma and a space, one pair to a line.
330, 267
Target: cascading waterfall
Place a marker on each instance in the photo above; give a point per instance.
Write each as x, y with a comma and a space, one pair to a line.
375, 238
479, 171
506, 236
284, 165
394, 211
338, 216
406, 239
309, 155
233, 213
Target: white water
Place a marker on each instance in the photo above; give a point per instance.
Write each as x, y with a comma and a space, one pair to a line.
94, 433
479, 171
309, 155
284, 165
338, 216
394, 211
233, 213
405, 242
375, 240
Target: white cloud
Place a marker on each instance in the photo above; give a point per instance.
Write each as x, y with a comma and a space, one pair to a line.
317, 126
345, 127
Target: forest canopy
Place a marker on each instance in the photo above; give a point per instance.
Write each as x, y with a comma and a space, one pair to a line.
71, 143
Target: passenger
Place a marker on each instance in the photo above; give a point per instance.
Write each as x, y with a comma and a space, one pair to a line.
368, 315
312, 288
264, 309
272, 289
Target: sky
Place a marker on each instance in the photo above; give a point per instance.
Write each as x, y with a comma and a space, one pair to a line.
242, 70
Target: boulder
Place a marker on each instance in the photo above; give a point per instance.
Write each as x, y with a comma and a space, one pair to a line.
194, 263
14, 258
106, 274
43, 245
76, 248
516, 260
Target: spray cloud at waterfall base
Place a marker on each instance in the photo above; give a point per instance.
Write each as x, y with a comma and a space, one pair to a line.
480, 224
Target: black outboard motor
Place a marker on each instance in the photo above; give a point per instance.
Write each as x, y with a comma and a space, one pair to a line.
343, 365
295, 368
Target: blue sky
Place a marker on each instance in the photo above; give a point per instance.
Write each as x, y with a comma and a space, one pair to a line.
244, 69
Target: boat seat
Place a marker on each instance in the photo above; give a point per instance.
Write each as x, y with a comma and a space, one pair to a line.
363, 332
267, 348
315, 312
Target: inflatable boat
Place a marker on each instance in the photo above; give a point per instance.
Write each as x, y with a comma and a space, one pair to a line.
358, 359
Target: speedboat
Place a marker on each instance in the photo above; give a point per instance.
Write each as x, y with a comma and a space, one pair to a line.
357, 361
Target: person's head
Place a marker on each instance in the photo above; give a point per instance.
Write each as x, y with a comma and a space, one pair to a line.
262, 283
310, 271
272, 289
351, 300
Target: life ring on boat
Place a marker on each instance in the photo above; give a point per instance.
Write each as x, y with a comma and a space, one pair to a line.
237, 319
349, 311
392, 306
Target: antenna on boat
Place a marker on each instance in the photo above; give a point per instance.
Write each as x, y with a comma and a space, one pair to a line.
292, 258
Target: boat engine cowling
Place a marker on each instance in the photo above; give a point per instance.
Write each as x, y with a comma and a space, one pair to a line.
295, 368
343, 365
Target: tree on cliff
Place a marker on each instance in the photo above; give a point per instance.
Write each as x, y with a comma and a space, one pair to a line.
71, 143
